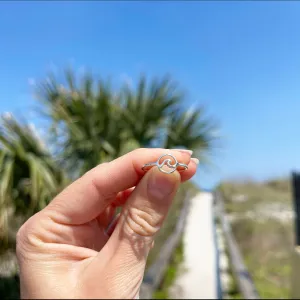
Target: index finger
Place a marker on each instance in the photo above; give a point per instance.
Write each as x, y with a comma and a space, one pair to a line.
88, 196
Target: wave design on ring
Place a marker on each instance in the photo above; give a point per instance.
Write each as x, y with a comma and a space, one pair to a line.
166, 162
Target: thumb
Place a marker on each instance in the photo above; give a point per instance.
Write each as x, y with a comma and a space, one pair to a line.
140, 220
144, 213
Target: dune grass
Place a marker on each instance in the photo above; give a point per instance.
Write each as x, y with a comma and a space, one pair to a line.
266, 238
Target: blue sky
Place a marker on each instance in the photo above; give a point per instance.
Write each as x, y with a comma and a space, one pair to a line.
240, 59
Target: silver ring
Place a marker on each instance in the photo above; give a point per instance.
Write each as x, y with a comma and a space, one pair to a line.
168, 162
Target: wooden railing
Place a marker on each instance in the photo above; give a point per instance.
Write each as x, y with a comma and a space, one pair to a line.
245, 283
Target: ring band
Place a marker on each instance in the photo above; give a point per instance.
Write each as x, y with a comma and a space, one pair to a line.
168, 162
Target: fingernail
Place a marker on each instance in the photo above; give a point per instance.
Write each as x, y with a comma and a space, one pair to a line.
195, 160
160, 186
190, 152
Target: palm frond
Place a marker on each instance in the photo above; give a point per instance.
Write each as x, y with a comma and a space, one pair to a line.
27, 169
6, 179
93, 122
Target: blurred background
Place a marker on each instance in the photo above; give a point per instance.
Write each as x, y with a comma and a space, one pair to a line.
85, 82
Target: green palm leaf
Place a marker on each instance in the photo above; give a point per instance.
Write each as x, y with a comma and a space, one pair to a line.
93, 122
6, 179
27, 168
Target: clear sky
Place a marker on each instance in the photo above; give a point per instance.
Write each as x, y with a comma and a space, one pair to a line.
241, 59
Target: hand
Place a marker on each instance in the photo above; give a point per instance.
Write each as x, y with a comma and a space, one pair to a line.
74, 249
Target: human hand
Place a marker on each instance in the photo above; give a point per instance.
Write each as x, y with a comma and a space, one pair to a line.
74, 248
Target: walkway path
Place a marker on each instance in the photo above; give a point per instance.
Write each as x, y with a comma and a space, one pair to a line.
198, 279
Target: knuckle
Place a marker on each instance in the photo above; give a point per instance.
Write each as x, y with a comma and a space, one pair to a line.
27, 238
142, 222
100, 187
20, 241
138, 151
19, 235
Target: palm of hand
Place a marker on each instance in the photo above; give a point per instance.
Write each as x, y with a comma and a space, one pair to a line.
63, 253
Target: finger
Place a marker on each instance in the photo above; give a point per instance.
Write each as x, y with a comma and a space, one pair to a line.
106, 217
88, 196
110, 229
122, 197
192, 168
141, 218
152, 245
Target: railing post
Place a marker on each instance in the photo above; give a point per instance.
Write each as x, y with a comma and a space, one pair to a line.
296, 199
244, 280
295, 288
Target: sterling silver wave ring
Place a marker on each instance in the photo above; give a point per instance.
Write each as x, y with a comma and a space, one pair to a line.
170, 161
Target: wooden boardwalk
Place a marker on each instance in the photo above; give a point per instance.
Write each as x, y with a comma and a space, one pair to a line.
199, 277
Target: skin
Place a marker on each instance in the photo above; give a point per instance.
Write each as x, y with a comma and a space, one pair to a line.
76, 248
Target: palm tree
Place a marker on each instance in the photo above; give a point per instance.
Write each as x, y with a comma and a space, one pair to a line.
29, 177
92, 121
86, 121
147, 108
